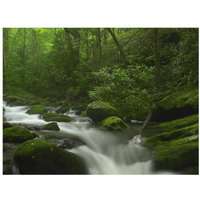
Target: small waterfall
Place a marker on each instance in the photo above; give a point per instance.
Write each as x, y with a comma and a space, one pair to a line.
103, 151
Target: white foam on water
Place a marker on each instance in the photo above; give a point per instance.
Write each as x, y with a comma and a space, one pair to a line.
103, 152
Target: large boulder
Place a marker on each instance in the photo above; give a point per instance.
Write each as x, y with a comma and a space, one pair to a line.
16, 134
114, 124
177, 147
56, 117
15, 101
40, 157
6, 125
99, 110
178, 104
51, 126
37, 109
178, 154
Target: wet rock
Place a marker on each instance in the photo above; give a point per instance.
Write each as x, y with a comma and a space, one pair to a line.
37, 109
16, 134
56, 117
114, 124
40, 157
99, 110
31, 127
51, 126
70, 143
6, 125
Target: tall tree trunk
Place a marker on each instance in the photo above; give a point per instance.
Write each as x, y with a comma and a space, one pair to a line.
157, 54
122, 54
87, 45
146, 121
33, 43
74, 32
105, 36
24, 45
98, 42
5, 54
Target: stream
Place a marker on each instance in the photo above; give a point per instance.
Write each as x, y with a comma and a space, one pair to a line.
104, 152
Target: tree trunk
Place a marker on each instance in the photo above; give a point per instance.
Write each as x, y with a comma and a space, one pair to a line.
157, 54
98, 42
146, 121
105, 36
24, 47
74, 32
87, 45
122, 54
5, 54
33, 43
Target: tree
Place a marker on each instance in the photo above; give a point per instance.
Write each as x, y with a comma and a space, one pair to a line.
98, 42
157, 55
122, 54
74, 32
5, 54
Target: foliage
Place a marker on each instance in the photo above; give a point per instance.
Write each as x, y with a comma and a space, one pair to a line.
67, 64
127, 89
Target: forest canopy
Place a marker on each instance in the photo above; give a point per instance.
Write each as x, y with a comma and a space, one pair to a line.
128, 67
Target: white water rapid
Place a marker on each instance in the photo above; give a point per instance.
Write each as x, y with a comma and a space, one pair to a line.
104, 151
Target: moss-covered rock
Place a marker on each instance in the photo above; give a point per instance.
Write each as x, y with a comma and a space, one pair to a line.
114, 124
16, 134
177, 154
4, 119
11, 98
14, 100
191, 170
56, 117
35, 135
99, 110
6, 125
37, 109
7, 168
51, 126
40, 157
171, 135
84, 113
179, 123
177, 147
178, 104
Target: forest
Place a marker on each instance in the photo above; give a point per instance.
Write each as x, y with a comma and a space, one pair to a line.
126, 80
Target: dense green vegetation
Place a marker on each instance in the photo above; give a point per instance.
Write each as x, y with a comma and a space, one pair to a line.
131, 68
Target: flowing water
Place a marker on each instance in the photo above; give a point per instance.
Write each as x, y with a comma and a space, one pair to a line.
104, 152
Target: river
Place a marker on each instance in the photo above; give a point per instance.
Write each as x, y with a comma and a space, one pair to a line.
105, 152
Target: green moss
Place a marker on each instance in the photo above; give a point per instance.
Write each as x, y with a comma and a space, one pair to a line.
114, 124
177, 147
56, 117
11, 98
35, 135
155, 140
180, 122
7, 169
99, 110
191, 170
16, 134
37, 109
177, 154
51, 126
84, 113
179, 99
6, 125
40, 157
